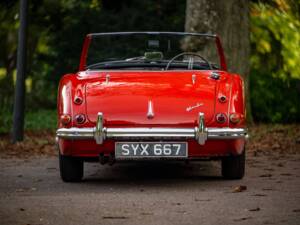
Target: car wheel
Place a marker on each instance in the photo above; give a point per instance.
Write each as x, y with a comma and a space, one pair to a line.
233, 167
71, 169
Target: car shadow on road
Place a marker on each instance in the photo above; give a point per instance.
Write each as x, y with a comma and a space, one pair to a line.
153, 173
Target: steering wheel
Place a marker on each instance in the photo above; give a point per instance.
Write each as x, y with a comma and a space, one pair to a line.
191, 61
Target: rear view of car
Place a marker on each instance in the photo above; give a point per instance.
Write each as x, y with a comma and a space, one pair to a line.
151, 96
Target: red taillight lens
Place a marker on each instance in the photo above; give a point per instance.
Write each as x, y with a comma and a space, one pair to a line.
221, 118
65, 119
80, 118
234, 118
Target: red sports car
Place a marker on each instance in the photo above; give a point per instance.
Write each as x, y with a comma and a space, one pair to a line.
151, 96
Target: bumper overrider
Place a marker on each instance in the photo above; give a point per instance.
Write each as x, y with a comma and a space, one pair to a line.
199, 133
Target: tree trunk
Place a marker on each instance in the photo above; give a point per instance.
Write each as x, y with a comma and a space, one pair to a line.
230, 20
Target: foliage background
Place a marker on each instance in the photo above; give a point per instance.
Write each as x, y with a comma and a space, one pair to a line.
57, 28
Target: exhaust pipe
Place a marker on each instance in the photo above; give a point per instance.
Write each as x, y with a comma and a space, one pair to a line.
103, 159
111, 159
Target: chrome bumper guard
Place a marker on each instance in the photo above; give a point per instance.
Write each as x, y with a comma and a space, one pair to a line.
200, 133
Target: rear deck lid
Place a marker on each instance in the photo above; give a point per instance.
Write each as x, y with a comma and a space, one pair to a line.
175, 98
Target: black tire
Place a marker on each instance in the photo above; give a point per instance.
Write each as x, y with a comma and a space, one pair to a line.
71, 169
233, 167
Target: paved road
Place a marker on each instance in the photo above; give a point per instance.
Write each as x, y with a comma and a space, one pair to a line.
161, 193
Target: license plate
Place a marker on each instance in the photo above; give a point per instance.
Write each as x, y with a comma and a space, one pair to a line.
125, 150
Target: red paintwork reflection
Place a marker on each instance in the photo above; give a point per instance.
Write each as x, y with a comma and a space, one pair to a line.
124, 99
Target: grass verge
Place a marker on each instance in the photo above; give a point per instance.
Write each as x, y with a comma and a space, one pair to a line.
43, 119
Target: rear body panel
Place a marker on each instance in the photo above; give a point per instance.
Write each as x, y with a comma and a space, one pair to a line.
211, 149
177, 99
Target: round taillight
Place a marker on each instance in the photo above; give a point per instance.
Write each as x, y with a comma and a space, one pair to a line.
221, 118
222, 99
65, 119
80, 118
78, 100
234, 118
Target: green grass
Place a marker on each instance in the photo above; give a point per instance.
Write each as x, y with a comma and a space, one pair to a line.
41, 120
34, 120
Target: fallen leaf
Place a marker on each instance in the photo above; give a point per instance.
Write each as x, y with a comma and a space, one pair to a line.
275, 146
266, 175
20, 190
259, 195
202, 200
51, 168
240, 188
267, 189
176, 203
181, 211
243, 218
255, 209
269, 169
286, 174
146, 213
114, 217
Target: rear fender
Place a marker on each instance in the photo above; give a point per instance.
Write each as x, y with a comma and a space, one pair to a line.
237, 100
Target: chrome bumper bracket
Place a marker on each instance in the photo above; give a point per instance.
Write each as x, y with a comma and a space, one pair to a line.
99, 133
201, 131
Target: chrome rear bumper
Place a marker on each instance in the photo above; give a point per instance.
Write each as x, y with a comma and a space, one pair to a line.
200, 133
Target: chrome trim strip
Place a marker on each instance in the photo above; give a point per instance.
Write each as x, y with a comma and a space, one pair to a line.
155, 33
150, 132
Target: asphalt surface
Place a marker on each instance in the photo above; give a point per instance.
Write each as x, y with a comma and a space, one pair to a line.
31, 192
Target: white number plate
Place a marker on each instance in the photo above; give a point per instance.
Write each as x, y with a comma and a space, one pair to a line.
151, 150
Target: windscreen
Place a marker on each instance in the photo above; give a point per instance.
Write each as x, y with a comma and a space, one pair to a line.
135, 49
